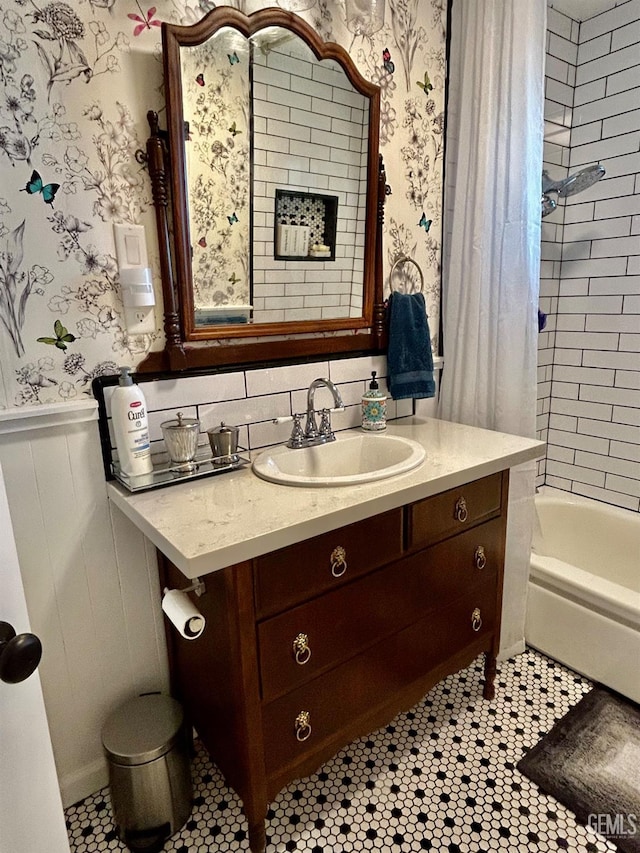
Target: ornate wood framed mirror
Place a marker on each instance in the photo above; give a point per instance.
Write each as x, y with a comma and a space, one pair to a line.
269, 193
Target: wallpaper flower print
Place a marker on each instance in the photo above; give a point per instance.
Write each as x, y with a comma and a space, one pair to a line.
215, 90
78, 77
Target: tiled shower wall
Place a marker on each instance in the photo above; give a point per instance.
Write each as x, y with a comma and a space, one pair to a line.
589, 357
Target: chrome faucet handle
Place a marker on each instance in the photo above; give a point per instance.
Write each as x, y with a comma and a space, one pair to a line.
325, 424
297, 438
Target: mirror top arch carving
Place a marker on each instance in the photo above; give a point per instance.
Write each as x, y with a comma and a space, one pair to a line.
193, 345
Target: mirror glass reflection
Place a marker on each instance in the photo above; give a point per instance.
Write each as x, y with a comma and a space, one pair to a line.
276, 166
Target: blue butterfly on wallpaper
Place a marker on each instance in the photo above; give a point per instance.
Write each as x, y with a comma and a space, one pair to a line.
233, 58
36, 185
62, 337
425, 223
387, 61
233, 218
233, 130
200, 79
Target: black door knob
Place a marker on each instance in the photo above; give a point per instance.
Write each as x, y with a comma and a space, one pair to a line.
19, 655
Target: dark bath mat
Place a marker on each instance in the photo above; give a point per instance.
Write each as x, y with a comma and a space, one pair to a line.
590, 762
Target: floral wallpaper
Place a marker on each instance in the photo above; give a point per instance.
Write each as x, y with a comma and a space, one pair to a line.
77, 80
215, 89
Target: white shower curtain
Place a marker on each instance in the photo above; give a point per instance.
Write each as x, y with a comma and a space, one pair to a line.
491, 256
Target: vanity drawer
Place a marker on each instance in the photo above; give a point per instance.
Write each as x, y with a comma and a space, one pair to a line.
309, 718
291, 575
304, 642
451, 512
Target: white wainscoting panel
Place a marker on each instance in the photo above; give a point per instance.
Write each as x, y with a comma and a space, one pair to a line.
91, 587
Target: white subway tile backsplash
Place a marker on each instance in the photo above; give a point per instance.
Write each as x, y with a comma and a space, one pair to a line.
272, 380
246, 411
189, 391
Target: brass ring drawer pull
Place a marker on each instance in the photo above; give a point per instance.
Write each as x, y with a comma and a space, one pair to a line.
476, 619
303, 726
480, 557
301, 650
338, 561
461, 513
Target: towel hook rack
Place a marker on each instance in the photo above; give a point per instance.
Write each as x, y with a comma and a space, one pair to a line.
405, 259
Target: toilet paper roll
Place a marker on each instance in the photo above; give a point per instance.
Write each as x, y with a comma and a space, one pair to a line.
183, 613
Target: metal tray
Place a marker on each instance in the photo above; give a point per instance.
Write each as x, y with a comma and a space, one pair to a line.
162, 475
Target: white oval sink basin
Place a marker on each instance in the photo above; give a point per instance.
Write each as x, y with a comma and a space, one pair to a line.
350, 459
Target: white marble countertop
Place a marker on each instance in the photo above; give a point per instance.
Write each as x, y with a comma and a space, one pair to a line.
217, 521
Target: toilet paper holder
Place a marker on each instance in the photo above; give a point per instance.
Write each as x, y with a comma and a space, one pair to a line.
197, 586
182, 612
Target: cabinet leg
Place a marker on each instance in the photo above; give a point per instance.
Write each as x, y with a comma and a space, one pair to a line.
257, 837
489, 690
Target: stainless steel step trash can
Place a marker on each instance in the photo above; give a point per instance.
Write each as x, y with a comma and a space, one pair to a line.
147, 744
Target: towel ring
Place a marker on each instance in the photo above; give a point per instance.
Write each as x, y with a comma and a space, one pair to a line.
405, 259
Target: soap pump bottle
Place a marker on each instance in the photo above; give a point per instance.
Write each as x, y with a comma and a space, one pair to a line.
131, 426
374, 407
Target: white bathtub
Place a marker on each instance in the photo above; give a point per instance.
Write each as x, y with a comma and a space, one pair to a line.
583, 606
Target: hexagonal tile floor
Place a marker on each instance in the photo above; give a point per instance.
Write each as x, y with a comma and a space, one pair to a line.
439, 777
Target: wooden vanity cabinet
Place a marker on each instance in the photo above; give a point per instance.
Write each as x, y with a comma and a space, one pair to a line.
311, 646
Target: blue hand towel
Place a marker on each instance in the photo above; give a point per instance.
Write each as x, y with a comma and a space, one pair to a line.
409, 358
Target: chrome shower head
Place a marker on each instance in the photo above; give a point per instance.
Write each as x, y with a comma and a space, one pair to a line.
548, 205
573, 184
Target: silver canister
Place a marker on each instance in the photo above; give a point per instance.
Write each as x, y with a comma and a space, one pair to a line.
224, 443
181, 440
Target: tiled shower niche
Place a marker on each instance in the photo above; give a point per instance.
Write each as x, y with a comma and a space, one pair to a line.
312, 211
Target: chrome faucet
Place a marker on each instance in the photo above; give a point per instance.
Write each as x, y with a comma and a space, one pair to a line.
312, 433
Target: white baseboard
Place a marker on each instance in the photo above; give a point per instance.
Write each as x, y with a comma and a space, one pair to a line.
84, 782
512, 651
